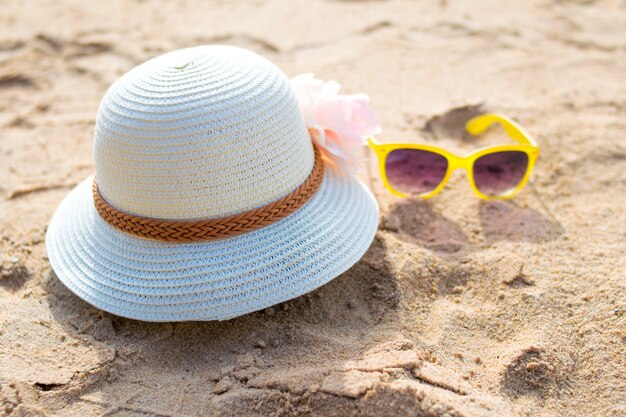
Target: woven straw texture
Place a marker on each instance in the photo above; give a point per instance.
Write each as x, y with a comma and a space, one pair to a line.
160, 281
223, 139
200, 133
220, 228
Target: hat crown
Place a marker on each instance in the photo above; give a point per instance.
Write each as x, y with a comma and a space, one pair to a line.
200, 133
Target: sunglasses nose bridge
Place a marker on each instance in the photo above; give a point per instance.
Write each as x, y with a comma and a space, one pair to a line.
454, 164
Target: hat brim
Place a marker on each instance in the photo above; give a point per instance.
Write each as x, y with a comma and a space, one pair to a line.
214, 280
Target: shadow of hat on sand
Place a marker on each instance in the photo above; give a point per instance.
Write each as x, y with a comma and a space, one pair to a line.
335, 320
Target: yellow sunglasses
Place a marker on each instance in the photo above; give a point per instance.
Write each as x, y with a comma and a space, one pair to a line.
495, 172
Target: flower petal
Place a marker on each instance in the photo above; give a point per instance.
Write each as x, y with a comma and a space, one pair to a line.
339, 123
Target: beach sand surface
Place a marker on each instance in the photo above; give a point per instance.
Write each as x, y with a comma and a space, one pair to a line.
460, 307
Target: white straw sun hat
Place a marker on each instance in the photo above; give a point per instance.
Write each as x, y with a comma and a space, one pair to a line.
194, 140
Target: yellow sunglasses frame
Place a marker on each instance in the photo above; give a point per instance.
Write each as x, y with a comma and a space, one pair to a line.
474, 126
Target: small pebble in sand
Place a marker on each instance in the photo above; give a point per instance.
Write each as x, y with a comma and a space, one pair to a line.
112, 375
222, 386
534, 365
261, 343
519, 278
269, 311
531, 366
477, 360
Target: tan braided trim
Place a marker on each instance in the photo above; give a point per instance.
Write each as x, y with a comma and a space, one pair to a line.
183, 231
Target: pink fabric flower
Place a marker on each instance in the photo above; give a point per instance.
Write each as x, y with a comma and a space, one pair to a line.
339, 124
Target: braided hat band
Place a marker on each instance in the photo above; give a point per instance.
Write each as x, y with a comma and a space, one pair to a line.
212, 229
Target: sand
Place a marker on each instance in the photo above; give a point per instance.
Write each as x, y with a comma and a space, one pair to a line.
460, 307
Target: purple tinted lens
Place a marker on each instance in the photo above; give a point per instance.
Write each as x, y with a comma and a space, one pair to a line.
500, 172
413, 171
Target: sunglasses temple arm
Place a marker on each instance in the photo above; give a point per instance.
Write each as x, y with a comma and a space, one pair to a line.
479, 124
